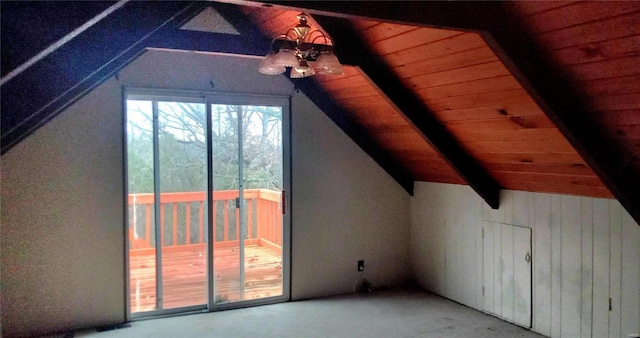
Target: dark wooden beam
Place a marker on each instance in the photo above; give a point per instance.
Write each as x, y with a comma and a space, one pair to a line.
188, 40
29, 27
179, 39
459, 15
312, 90
351, 45
43, 90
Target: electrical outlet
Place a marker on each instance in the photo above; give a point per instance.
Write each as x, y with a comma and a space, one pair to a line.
361, 265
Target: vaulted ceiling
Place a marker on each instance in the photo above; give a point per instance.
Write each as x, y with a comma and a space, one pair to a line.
527, 95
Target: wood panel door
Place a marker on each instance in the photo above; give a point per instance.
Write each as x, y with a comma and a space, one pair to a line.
507, 262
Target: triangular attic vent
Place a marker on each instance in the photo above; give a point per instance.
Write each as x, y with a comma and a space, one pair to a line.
210, 21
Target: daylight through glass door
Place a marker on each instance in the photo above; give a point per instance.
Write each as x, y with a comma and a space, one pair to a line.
248, 184
206, 203
166, 157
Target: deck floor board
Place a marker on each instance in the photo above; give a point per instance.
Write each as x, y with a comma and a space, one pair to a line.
184, 276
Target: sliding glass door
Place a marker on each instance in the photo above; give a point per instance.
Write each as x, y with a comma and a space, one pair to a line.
248, 169
207, 201
167, 202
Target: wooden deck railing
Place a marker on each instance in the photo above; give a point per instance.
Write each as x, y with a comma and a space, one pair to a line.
186, 219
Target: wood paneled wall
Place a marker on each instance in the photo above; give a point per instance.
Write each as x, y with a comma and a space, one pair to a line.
585, 251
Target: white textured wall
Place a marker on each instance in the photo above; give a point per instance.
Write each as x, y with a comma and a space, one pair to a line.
62, 215
585, 251
62, 201
345, 208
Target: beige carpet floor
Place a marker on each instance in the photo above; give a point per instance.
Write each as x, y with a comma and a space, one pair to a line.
391, 313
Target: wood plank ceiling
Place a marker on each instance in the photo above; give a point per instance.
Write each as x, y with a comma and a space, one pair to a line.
368, 107
470, 91
595, 47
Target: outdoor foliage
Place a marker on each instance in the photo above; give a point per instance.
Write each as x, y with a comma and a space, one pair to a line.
182, 159
182, 146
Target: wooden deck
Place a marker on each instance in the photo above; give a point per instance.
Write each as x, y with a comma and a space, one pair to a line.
184, 275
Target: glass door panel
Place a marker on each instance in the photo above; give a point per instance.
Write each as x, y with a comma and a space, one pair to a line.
226, 193
248, 183
182, 183
262, 167
166, 177
142, 230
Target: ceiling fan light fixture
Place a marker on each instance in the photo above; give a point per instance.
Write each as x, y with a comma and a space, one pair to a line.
328, 63
302, 28
285, 58
298, 74
303, 66
297, 48
268, 67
